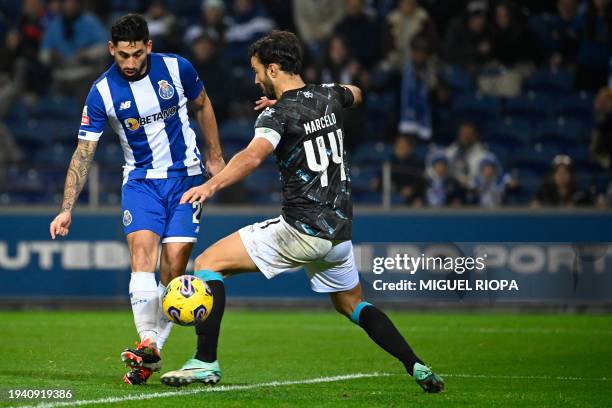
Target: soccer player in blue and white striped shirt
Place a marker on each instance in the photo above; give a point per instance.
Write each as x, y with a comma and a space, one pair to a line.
144, 96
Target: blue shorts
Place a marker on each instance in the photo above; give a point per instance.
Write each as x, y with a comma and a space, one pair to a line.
153, 204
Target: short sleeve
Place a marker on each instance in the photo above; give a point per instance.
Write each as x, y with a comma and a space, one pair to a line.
192, 84
93, 117
345, 95
269, 126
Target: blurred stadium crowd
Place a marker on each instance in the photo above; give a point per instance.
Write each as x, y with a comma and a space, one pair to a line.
470, 102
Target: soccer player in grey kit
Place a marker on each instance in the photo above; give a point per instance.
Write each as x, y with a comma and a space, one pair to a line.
302, 124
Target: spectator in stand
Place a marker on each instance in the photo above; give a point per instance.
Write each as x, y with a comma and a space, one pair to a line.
246, 25
510, 64
468, 42
490, 186
24, 45
594, 29
407, 171
403, 24
214, 73
557, 32
418, 78
339, 66
513, 42
212, 23
601, 142
361, 32
74, 47
443, 189
162, 25
466, 153
315, 21
560, 188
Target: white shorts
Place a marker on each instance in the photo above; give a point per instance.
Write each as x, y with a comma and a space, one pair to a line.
277, 247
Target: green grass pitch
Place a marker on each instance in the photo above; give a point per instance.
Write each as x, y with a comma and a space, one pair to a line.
501, 360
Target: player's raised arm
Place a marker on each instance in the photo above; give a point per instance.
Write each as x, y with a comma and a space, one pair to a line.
240, 166
205, 115
75, 180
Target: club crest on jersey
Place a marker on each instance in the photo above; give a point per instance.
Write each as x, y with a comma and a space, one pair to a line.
127, 218
165, 90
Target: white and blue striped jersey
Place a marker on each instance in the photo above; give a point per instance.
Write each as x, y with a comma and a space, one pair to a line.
149, 116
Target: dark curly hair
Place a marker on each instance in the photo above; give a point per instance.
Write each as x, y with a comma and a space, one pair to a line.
279, 47
131, 28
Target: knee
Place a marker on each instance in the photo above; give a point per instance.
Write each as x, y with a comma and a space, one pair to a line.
347, 305
143, 260
206, 261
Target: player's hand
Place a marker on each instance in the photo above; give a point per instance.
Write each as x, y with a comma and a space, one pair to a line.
61, 224
214, 166
200, 193
263, 103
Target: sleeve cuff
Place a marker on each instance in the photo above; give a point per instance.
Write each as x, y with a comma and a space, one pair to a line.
270, 135
92, 136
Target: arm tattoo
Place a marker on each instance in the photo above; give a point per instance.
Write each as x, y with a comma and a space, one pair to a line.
77, 172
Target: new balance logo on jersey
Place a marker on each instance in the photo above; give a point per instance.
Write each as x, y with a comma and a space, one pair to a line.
125, 105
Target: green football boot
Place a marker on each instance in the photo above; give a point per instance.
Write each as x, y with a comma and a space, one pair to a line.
427, 379
192, 371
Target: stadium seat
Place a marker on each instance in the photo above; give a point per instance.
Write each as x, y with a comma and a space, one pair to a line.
530, 160
479, 108
265, 179
367, 198
510, 132
362, 177
563, 131
578, 107
551, 83
372, 153
457, 79
531, 107
237, 129
57, 107
58, 154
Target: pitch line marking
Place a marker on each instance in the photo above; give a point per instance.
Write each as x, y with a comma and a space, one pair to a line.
220, 388
225, 388
524, 377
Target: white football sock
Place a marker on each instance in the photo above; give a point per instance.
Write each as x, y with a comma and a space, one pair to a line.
144, 299
164, 325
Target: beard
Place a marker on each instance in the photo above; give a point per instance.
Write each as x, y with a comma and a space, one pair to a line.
136, 72
268, 89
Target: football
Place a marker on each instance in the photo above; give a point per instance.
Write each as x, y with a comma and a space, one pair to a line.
187, 300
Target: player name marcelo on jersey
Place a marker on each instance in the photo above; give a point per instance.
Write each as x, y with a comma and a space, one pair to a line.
320, 123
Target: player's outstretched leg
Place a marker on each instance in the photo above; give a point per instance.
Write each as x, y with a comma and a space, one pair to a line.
384, 333
224, 258
204, 367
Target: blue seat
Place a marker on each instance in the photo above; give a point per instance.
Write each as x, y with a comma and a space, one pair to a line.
534, 160
457, 79
110, 154
478, 108
561, 130
264, 179
372, 153
532, 107
57, 107
363, 176
511, 132
367, 198
240, 129
552, 83
578, 107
